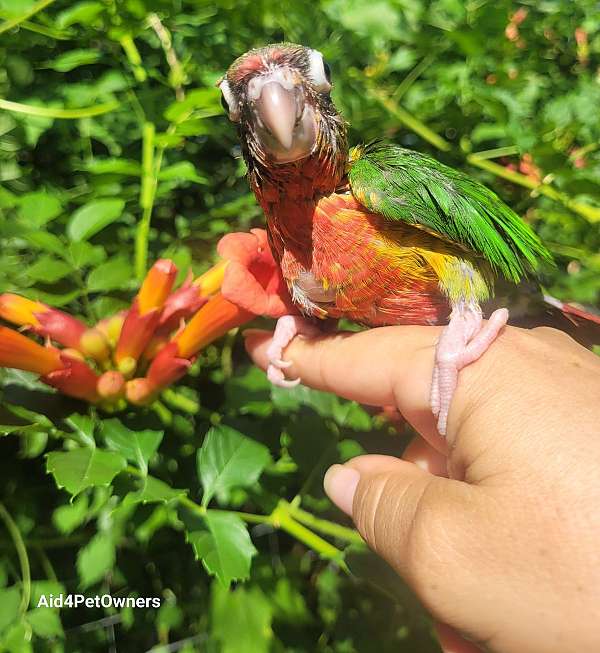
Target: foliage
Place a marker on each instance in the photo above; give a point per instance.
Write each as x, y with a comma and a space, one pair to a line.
114, 152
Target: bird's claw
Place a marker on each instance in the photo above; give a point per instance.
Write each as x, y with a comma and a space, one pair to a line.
276, 377
462, 342
287, 328
280, 363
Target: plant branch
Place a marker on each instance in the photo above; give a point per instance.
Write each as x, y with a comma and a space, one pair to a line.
590, 213
17, 538
407, 119
325, 526
177, 77
281, 518
480, 160
53, 112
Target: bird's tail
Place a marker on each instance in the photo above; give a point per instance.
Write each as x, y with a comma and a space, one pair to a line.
530, 308
571, 311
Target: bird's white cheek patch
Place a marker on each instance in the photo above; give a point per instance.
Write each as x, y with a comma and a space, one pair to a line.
316, 72
234, 110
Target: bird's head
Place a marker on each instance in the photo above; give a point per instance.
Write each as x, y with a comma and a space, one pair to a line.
279, 96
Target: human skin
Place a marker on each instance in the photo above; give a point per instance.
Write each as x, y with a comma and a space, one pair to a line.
497, 527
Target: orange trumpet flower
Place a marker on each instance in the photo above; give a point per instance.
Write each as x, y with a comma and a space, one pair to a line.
45, 321
144, 315
69, 375
251, 285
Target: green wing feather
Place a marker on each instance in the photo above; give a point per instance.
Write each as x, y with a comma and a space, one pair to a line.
404, 185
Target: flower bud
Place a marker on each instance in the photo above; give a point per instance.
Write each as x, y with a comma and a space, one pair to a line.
111, 385
93, 343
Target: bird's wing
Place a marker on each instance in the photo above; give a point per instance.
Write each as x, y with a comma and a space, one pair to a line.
403, 185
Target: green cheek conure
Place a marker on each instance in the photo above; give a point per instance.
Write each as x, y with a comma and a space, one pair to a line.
379, 234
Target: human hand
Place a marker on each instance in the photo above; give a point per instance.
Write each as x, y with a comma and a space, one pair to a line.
496, 527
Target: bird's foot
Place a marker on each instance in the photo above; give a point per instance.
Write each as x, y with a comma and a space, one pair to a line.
286, 329
462, 342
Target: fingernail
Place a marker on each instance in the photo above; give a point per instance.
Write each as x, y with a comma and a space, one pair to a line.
340, 485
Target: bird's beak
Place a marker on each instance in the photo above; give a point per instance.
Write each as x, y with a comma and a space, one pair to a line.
277, 109
285, 123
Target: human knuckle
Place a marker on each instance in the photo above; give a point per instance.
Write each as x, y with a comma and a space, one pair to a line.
368, 508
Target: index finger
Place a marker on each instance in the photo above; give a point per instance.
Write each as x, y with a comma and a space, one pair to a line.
382, 366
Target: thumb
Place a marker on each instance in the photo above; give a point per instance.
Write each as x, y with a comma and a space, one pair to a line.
424, 526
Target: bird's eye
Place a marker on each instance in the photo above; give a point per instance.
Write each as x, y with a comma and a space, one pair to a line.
319, 72
228, 101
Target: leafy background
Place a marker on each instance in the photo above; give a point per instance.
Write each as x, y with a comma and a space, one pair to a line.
112, 138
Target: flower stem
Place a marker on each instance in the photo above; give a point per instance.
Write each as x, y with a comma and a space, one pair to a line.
325, 526
180, 401
149, 182
15, 533
162, 412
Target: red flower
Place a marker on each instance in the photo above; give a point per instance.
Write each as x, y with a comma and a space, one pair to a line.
252, 279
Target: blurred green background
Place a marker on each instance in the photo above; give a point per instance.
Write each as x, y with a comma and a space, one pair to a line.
507, 91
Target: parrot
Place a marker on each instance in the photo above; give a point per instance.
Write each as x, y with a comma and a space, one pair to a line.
377, 234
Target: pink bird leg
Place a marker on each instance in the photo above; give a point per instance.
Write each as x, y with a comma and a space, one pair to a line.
286, 329
462, 342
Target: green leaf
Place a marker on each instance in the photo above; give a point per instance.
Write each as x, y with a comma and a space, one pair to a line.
137, 446
41, 588
153, 490
46, 241
39, 207
326, 404
202, 102
33, 443
45, 622
73, 59
83, 425
17, 638
182, 171
55, 299
95, 559
229, 459
10, 600
114, 166
48, 269
68, 517
225, 548
288, 603
92, 217
115, 273
83, 254
85, 467
251, 612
